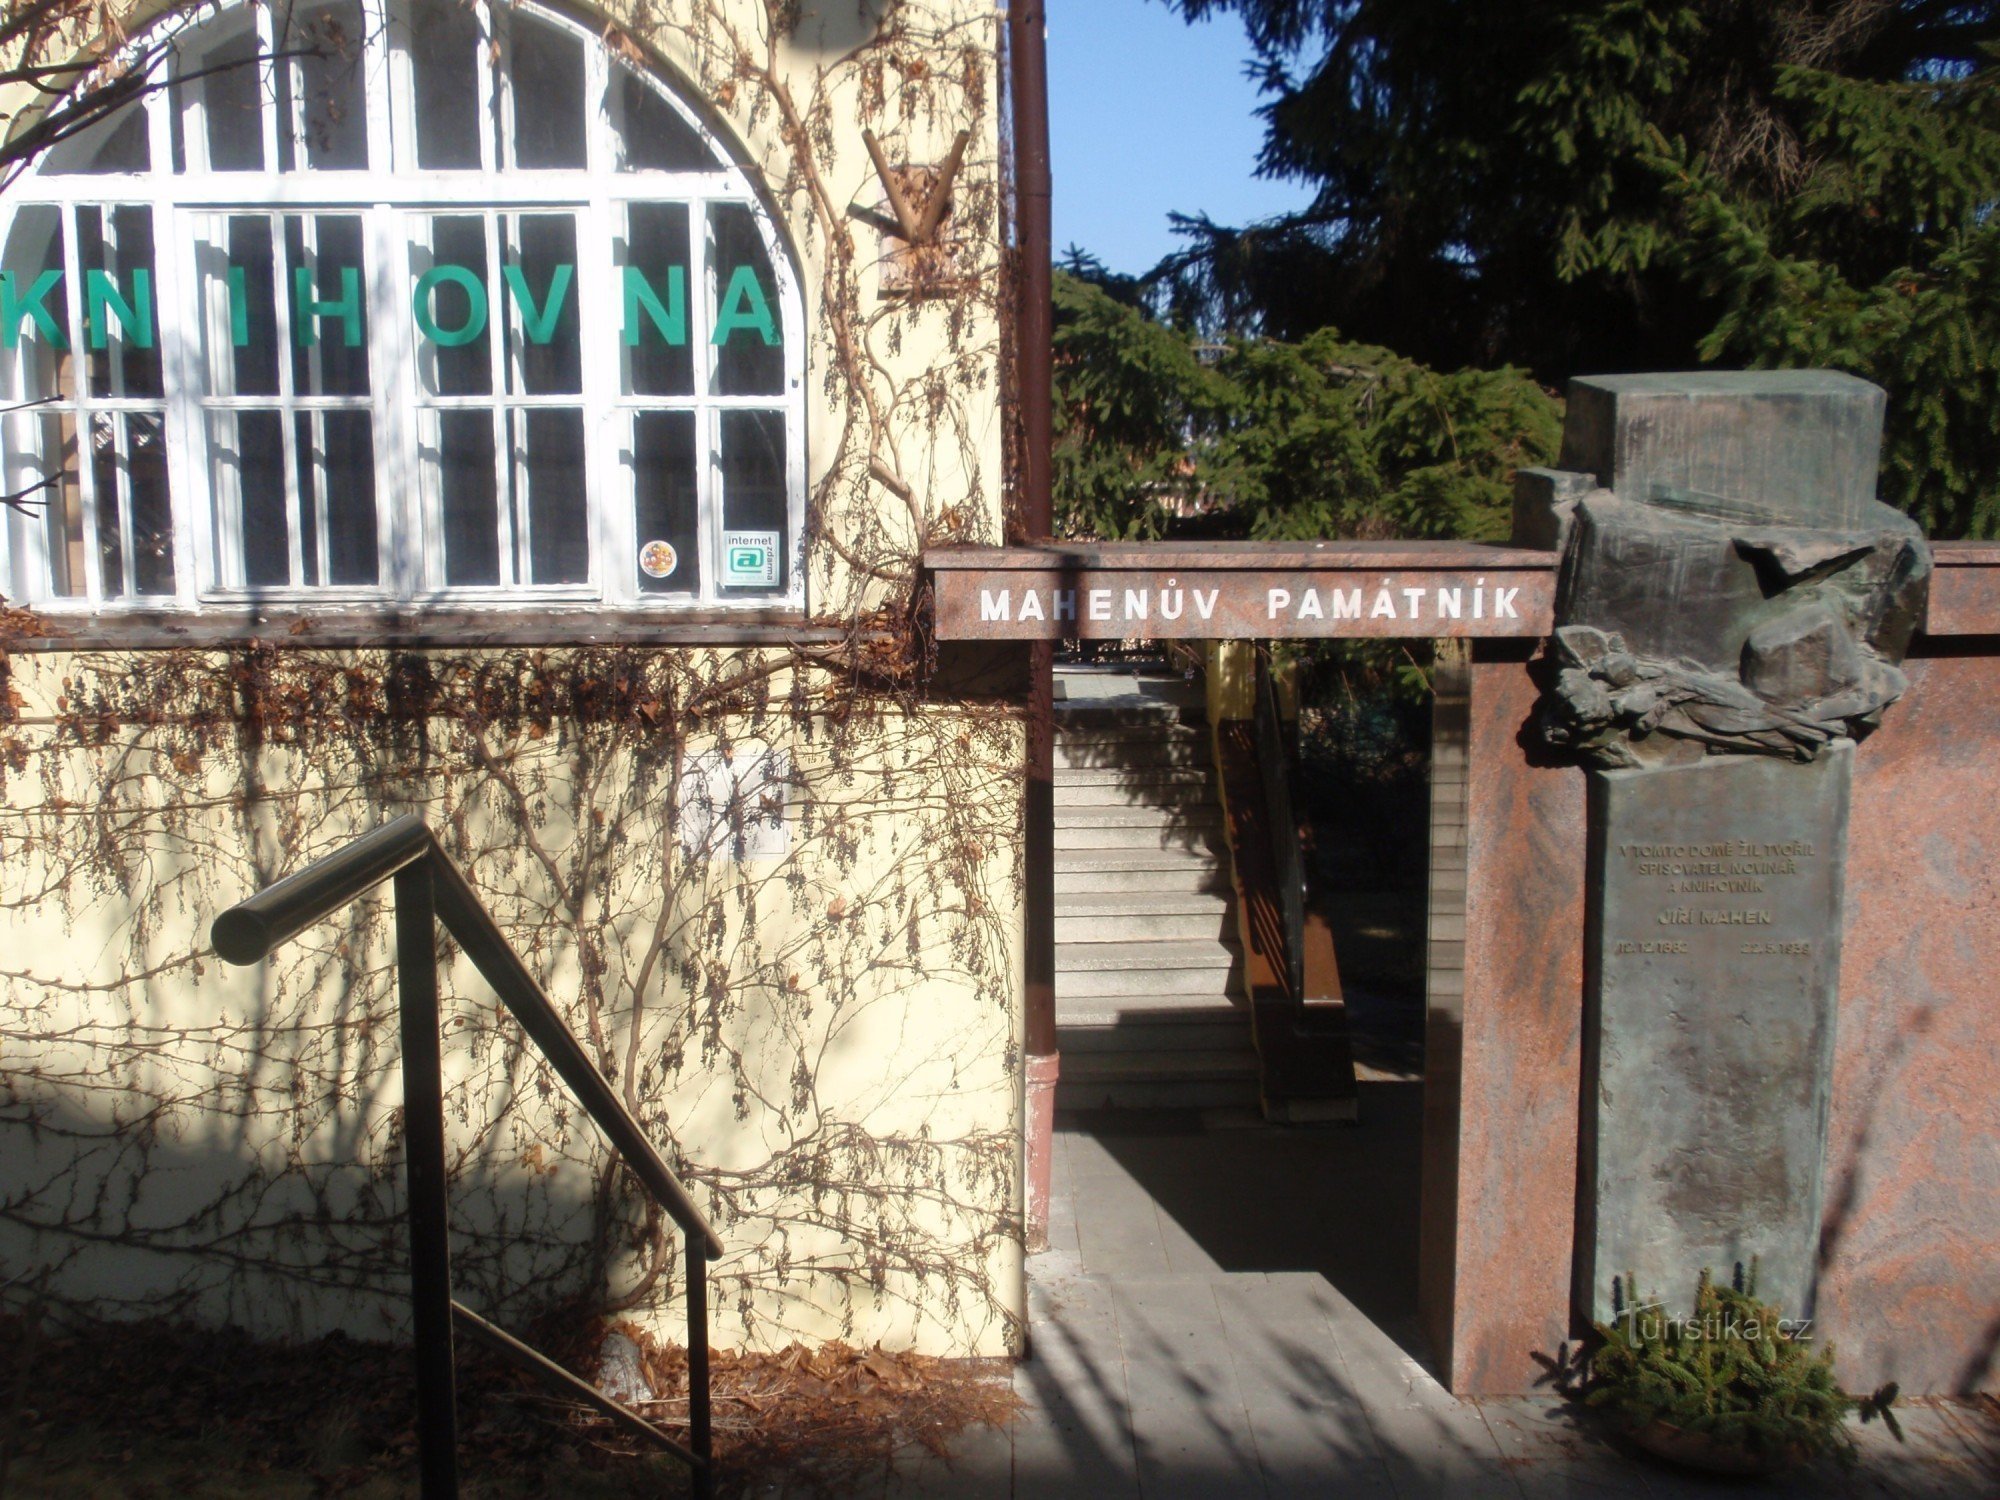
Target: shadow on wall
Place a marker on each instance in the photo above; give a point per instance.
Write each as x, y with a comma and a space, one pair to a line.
125, 1223
833, 28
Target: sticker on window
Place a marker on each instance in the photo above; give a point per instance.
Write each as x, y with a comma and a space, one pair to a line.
750, 559
658, 559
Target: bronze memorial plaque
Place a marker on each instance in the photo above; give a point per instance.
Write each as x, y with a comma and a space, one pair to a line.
1715, 950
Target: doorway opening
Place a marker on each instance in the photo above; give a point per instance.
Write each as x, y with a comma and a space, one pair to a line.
1166, 1162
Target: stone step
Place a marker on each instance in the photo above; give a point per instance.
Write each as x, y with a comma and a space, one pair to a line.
1230, 1033
1155, 1052
1078, 958
1202, 815
1143, 917
1100, 861
1115, 1011
1084, 682
1158, 1065
1088, 988
1202, 842
1138, 927
1109, 795
1236, 1097
1167, 745
1186, 877
1144, 904
1169, 1080
1125, 791
1084, 721
1140, 776
1125, 715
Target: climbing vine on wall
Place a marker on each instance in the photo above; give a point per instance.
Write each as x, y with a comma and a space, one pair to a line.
772, 1016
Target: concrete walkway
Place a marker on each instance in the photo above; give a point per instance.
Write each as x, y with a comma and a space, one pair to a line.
1226, 1312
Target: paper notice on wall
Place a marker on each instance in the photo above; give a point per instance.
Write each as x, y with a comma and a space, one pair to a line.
750, 559
732, 804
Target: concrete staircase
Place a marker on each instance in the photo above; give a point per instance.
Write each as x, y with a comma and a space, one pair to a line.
1149, 1012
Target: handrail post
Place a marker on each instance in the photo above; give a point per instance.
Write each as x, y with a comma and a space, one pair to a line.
429, 890
423, 1146
695, 1252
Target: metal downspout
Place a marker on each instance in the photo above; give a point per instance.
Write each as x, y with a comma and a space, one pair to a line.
1034, 372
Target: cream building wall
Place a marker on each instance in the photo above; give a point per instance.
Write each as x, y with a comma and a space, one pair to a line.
813, 1005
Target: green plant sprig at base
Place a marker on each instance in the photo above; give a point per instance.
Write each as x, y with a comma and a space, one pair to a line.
1735, 1372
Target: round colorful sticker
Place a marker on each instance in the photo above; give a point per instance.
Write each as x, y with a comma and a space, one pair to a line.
658, 559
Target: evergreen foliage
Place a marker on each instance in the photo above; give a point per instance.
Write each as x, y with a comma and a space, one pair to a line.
1159, 434
1733, 1372
1590, 186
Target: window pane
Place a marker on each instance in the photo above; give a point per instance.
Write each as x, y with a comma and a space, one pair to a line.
148, 504
118, 144
240, 307
548, 96
754, 553
547, 343
463, 465
651, 134
38, 368
328, 280
749, 361
336, 468
247, 451
115, 251
456, 311
550, 464
309, 492
104, 467
653, 277
62, 503
349, 448
129, 469
665, 504
232, 104
332, 101
444, 42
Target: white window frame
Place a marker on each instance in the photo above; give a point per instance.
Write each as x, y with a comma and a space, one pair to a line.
208, 557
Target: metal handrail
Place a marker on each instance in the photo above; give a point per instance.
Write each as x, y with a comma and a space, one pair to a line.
430, 888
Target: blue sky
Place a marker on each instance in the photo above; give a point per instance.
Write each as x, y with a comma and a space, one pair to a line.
1149, 115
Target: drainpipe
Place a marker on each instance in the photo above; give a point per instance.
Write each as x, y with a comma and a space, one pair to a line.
1027, 52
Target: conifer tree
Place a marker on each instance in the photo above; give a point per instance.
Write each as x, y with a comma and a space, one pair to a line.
1582, 186
1162, 433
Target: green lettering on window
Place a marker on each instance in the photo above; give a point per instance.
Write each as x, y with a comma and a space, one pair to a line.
14, 307
101, 296
743, 306
540, 323
309, 309
426, 315
239, 307
670, 319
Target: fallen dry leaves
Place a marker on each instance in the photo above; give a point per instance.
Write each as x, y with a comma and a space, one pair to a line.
340, 1411
827, 1416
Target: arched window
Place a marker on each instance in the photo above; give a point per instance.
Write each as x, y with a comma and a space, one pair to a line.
430, 301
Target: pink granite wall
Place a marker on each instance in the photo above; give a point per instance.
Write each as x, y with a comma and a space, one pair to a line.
1910, 1278
1498, 1291
1910, 1247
